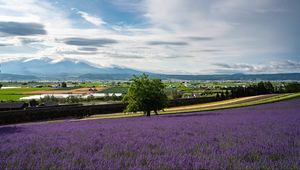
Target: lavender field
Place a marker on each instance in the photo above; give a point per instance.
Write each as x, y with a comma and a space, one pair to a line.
257, 137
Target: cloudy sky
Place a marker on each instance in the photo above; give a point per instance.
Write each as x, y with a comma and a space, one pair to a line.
163, 36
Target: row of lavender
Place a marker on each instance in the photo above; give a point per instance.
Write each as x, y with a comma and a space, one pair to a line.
257, 137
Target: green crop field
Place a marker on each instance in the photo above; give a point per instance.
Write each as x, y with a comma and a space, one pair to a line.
13, 97
16, 93
20, 90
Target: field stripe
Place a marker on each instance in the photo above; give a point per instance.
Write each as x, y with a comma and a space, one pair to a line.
270, 99
218, 103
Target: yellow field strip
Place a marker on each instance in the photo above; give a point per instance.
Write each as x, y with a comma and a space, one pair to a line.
269, 99
210, 104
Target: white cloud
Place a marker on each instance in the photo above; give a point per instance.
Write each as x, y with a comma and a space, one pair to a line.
272, 67
91, 18
238, 32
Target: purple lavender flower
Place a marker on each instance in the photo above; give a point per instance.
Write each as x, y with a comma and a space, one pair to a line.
256, 137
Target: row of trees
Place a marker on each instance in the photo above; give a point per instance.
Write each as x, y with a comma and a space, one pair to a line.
291, 88
252, 90
258, 89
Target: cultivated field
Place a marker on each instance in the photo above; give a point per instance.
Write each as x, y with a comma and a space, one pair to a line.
257, 137
71, 91
15, 94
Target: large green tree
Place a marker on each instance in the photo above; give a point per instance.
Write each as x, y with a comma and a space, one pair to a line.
146, 95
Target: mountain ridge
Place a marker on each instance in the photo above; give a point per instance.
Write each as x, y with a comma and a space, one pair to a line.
95, 77
47, 67
68, 69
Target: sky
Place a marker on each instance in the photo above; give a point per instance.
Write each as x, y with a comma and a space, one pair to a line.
161, 36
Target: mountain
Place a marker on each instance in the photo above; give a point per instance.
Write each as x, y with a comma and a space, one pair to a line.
67, 69
15, 77
267, 77
233, 77
46, 67
105, 77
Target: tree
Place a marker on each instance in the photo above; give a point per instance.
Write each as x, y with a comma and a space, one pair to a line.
33, 103
218, 96
261, 88
1, 86
63, 84
227, 94
49, 99
175, 94
292, 87
72, 99
145, 95
223, 96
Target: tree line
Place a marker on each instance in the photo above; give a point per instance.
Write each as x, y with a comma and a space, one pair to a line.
258, 89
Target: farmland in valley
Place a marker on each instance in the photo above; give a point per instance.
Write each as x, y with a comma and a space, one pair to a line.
14, 94
17, 93
64, 91
174, 89
256, 137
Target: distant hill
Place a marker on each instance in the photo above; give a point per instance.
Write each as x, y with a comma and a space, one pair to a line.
67, 69
85, 77
280, 76
283, 76
46, 67
105, 77
14, 77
